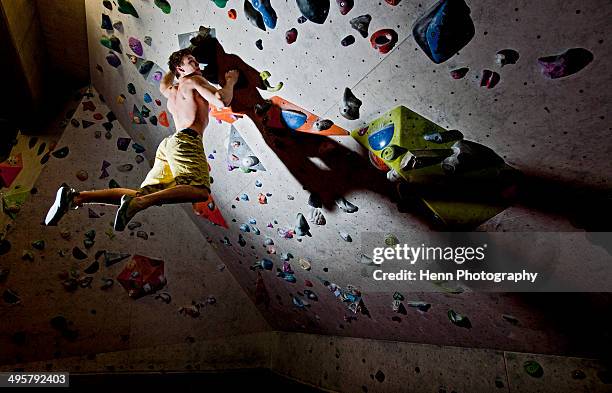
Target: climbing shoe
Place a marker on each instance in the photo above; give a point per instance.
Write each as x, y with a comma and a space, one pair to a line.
64, 201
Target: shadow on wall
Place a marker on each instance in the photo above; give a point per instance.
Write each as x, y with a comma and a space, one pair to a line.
338, 171
331, 170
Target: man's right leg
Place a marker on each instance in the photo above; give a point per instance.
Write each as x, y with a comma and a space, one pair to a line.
68, 198
111, 196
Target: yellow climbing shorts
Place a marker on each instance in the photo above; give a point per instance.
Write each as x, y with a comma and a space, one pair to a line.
179, 160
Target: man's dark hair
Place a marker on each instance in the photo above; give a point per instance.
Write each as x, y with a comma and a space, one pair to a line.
176, 59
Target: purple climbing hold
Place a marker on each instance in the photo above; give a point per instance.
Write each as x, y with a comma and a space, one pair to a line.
459, 73
345, 6
113, 60
444, 29
123, 143
314, 10
567, 63
291, 35
348, 40
135, 46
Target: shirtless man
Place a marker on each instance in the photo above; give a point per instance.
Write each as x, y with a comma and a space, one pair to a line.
180, 171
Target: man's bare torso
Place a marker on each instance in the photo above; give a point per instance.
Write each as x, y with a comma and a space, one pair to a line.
188, 108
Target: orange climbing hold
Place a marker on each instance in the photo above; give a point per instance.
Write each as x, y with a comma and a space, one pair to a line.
275, 121
232, 14
163, 119
210, 211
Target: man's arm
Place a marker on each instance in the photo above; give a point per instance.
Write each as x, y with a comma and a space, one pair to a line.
205, 89
166, 84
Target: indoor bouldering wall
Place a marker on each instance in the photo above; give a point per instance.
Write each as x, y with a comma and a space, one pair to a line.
290, 208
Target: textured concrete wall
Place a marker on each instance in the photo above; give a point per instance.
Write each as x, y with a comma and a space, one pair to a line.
315, 70
25, 31
65, 36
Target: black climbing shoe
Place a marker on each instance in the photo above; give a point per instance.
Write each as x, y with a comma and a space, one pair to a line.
63, 202
122, 218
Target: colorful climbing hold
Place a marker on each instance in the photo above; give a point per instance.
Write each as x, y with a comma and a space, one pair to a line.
163, 5
314, 10
459, 73
232, 14
107, 24
361, 24
384, 40
345, 6
163, 119
506, 56
444, 29
125, 7
267, 12
533, 368
113, 60
490, 79
565, 64
351, 105
253, 15
291, 36
348, 40
135, 45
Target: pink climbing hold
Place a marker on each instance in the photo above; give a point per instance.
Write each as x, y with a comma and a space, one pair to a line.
567, 63
459, 73
135, 46
291, 35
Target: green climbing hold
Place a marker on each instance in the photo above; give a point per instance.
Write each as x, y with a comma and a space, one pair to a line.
61, 153
90, 234
220, 3
39, 244
125, 7
459, 320
131, 88
163, 5
111, 42
113, 184
533, 368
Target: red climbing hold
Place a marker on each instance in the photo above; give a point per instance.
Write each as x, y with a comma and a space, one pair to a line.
98, 116
291, 36
163, 119
384, 40
88, 106
489, 79
232, 14
142, 276
210, 211
393, 2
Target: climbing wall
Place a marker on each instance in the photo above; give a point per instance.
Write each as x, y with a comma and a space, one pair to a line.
302, 279
64, 288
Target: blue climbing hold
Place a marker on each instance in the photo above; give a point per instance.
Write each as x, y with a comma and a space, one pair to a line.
244, 228
266, 264
147, 98
444, 30
106, 22
381, 139
267, 12
293, 119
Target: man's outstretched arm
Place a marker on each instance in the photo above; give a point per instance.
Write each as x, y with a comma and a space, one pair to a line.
166, 84
205, 89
